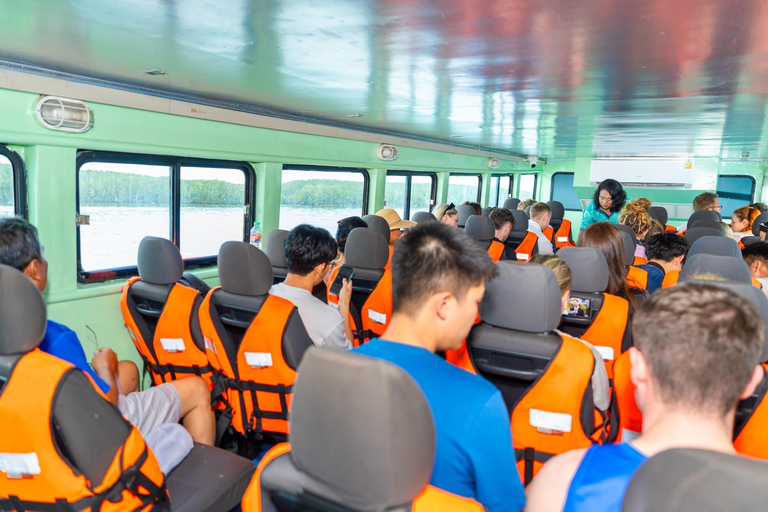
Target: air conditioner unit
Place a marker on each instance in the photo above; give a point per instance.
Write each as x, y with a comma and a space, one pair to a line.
644, 173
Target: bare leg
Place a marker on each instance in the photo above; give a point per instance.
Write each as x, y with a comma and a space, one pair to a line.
128, 375
196, 413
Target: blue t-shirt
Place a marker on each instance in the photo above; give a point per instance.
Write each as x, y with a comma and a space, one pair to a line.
62, 342
474, 456
602, 478
655, 277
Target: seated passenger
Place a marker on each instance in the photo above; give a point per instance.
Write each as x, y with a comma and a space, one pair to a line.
438, 280
395, 223
447, 214
309, 252
741, 222
704, 201
342, 232
504, 221
187, 399
760, 206
635, 215
666, 252
601, 388
607, 239
522, 205
476, 206
756, 257
682, 335
540, 215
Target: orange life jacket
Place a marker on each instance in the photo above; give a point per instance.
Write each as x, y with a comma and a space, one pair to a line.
637, 278
431, 499
173, 352
377, 310
496, 250
751, 439
563, 236
546, 421
335, 300
548, 232
640, 261
670, 229
607, 330
630, 417
258, 385
460, 357
670, 278
524, 251
757, 284
46, 480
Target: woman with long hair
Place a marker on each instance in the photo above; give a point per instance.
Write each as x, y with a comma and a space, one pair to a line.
635, 215
742, 220
447, 214
606, 204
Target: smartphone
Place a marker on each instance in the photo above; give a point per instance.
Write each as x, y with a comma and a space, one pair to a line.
577, 307
345, 272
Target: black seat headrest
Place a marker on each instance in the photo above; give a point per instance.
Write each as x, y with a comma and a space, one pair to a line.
345, 435
711, 224
378, 224
487, 211
244, 269
558, 210
366, 248
465, 211
692, 480
717, 245
694, 234
763, 217
523, 297
749, 240
704, 215
589, 268
511, 203
274, 248
521, 221
22, 313
660, 214
422, 217
480, 228
629, 247
628, 230
725, 267
159, 261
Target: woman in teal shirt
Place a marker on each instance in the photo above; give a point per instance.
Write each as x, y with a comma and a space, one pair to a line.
606, 204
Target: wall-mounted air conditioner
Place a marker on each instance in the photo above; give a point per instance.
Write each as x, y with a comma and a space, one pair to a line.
644, 173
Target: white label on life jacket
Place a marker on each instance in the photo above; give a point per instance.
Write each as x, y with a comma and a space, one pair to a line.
258, 359
549, 422
522, 257
562, 239
173, 344
379, 318
606, 352
209, 344
18, 465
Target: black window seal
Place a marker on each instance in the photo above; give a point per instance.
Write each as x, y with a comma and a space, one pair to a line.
322, 168
552, 189
498, 187
479, 182
535, 182
20, 206
175, 163
409, 182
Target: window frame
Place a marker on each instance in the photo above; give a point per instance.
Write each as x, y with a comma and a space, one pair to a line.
175, 163
409, 183
479, 182
751, 178
535, 182
20, 207
498, 187
552, 189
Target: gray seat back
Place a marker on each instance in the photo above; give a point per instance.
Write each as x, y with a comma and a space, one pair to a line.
519, 230
689, 480
422, 217
725, 267
22, 318
481, 229
630, 244
660, 214
345, 448
704, 215
511, 203
378, 224
274, 248
693, 234
465, 211
487, 211
558, 214
710, 224
717, 245
763, 217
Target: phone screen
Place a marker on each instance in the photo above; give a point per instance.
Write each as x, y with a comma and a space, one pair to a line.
345, 272
577, 307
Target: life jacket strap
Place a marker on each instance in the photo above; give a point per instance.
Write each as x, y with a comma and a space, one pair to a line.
531, 455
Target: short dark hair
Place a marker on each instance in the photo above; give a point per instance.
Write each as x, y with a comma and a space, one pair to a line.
618, 196
701, 343
346, 226
501, 216
538, 209
703, 201
307, 247
760, 206
755, 251
665, 246
435, 257
19, 243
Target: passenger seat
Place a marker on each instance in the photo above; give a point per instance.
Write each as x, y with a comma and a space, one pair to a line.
347, 452
511, 203
274, 248
483, 230
560, 225
465, 211
421, 217
660, 214
520, 240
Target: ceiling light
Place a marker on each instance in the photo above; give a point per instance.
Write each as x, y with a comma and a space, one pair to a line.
494, 163
387, 152
155, 71
63, 114
354, 115
456, 136
745, 154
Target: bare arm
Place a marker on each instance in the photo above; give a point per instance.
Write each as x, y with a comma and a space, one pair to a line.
104, 363
345, 296
548, 491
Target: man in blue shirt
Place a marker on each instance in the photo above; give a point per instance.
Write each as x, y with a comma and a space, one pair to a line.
696, 354
438, 281
665, 253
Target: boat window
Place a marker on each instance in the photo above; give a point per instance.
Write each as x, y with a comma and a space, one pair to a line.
527, 186
563, 191
501, 189
12, 184
409, 192
321, 196
396, 194
734, 192
464, 187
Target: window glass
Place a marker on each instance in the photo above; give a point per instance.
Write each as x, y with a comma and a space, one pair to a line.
734, 192
493, 199
422, 188
125, 202
500, 189
320, 198
463, 187
211, 212
6, 187
563, 191
527, 186
395, 194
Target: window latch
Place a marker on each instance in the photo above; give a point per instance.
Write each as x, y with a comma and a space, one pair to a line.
246, 208
82, 220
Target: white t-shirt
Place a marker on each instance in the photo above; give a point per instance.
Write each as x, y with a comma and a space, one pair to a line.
324, 323
545, 246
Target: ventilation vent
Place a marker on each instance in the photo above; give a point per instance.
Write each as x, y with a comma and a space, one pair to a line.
64, 115
387, 152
